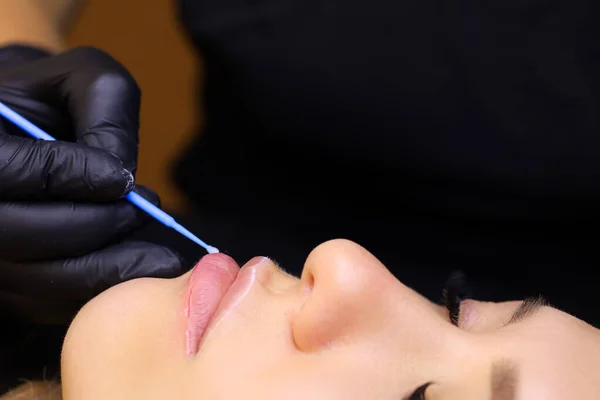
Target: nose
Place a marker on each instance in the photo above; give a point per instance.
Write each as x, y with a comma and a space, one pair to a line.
350, 294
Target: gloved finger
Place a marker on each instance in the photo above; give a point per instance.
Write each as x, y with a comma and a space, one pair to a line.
37, 170
15, 55
50, 119
99, 94
65, 229
80, 279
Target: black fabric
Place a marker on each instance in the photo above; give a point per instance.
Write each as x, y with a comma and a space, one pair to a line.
440, 134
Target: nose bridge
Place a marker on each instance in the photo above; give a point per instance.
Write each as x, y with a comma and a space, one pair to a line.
350, 294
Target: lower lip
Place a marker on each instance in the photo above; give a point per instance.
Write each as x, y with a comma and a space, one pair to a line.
209, 282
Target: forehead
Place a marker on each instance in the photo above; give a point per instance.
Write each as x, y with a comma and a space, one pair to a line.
558, 357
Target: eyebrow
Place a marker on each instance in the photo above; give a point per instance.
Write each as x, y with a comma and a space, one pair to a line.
527, 309
504, 381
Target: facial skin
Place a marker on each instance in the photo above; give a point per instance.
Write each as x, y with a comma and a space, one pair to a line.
346, 330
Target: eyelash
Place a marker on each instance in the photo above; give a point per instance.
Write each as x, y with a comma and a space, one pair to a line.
455, 291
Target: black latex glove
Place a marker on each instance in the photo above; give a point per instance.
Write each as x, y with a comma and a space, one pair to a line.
63, 224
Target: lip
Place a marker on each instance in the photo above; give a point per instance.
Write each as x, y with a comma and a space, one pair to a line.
216, 285
209, 282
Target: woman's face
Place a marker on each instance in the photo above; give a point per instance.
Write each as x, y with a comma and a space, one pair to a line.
346, 330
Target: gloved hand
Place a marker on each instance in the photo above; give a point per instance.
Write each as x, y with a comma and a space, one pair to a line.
63, 224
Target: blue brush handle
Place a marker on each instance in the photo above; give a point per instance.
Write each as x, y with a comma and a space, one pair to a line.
133, 197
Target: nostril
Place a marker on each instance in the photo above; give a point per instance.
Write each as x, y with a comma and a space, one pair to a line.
310, 282
307, 279
347, 290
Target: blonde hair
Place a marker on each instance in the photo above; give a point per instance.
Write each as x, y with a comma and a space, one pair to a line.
42, 390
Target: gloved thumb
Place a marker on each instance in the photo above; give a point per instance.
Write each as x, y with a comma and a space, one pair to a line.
37, 169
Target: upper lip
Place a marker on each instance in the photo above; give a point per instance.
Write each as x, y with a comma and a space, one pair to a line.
211, 279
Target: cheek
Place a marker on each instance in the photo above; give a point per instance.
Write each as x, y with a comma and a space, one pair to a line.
126, 341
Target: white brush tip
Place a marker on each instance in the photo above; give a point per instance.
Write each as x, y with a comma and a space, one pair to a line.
212, 250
